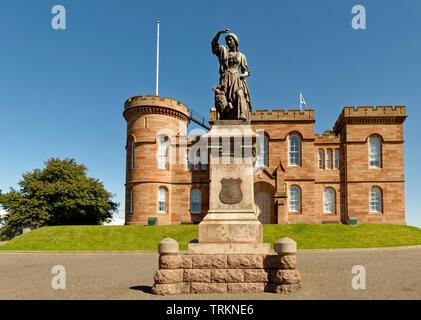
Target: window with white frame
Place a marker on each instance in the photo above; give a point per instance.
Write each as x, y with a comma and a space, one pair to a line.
131, 201
321, 156
374, 152
329, 159
294, 199
262, 156
375, 199
329, 200
294, 150
195, 201
196, 161
336, 159
162, 199
132, 155
162, 152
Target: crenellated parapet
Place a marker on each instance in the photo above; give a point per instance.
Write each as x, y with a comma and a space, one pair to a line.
328, 137
370, 114
276, 115
152, 104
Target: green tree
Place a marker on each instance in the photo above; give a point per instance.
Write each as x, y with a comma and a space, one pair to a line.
60, 194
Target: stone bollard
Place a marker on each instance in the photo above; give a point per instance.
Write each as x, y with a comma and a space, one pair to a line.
169, 277
285, 246
168, 246
283, 274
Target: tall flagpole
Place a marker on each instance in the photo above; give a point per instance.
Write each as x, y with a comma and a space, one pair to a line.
157, 60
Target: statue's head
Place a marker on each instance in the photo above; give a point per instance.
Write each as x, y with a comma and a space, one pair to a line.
231, 37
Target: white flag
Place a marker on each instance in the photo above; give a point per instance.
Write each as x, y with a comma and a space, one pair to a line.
302, 102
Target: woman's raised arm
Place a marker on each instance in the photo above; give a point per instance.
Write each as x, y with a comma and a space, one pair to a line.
215, 40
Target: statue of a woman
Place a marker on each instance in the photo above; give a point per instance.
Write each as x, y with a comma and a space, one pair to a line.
232, 97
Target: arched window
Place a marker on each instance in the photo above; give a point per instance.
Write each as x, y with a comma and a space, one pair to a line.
131, 202
132, 155
336, 159
321, 159
375, 199
329, 159
374, 152
203, 159
294, 150
294, 199
195, 201
329, 200
262, 156
196, 161
162, 152
188, 160
162, 200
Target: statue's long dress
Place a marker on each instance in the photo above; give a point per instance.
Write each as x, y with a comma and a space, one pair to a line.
237, 90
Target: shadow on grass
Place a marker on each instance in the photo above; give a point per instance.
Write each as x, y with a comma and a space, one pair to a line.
145, 289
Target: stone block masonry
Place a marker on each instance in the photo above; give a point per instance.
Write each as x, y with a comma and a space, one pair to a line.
226, 274
229, 273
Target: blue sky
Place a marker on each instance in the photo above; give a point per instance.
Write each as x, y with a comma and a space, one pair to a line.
62, 91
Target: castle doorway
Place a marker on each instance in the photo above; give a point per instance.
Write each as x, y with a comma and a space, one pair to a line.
262, 201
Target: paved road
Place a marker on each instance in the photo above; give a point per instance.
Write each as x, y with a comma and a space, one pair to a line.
391, 274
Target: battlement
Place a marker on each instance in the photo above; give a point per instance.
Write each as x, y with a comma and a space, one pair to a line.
155, 104
327, 137
277, 115
365, 113
370, 111
154, 100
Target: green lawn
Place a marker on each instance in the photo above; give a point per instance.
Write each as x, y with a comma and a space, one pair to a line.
126, 238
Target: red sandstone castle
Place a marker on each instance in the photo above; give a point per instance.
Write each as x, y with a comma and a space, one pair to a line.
355, 170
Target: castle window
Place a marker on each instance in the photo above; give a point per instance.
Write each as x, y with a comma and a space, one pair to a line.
195, 201
196, 161
262, 157
329, 200
188, 160
321, 160
336, 159
294, 150
162, 152
374, 152
294, 199
375, 199
203, 160
132, 155
329, 159
131, 202
162, 199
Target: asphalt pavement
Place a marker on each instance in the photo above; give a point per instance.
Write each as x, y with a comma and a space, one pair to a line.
390, 274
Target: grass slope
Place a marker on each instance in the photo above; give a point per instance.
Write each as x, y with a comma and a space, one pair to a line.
127, 238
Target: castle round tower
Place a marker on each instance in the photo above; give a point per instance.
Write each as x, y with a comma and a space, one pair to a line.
154, 125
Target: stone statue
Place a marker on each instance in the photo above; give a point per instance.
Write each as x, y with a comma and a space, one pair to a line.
232, 97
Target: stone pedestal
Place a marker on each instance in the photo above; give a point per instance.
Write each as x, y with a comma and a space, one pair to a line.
230, 256
229, 273
231, 225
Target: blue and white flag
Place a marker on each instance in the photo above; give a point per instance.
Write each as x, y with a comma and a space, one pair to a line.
302, 102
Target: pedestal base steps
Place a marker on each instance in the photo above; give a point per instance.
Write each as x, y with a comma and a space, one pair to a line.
226, 273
